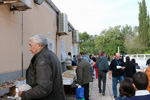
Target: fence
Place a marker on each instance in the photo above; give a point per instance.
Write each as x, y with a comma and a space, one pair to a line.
140, 58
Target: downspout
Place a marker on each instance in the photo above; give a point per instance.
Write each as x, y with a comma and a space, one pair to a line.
56, 31
22, 47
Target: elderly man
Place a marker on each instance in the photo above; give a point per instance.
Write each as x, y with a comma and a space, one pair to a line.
44, 73
116, 68
83, 75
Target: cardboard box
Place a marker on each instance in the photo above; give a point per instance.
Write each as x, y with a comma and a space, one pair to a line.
19, 81
12, 91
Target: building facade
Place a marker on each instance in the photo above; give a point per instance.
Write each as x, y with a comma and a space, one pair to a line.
16, 28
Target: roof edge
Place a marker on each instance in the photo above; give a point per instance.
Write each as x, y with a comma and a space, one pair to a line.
71, 25
53, 5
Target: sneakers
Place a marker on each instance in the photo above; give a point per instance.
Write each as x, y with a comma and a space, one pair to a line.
93, 77
100, 91
103, 94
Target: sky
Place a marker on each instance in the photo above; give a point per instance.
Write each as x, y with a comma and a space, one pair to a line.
93, 16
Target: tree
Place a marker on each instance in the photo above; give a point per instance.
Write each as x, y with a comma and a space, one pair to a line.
132, 43
143, 24
83, 37
109, 40
148, 25
86, 43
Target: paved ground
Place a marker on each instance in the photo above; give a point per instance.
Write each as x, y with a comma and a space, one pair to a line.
94, 92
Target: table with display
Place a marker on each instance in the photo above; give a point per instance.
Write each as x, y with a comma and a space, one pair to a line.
69, 77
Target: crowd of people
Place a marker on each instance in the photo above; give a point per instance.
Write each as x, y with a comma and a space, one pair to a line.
133, 85
45, 77
85, 69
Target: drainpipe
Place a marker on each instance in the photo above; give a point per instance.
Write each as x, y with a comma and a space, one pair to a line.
22, 47
56, 32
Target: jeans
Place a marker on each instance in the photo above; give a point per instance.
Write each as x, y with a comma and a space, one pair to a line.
114, 84
102, 76
91, 69
86, 91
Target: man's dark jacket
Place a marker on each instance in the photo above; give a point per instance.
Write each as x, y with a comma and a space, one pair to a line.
113, 67
83, 72
44, 76
130, 69
102, 64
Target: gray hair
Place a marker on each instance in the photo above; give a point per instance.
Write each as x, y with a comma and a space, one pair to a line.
39, 38
79, 56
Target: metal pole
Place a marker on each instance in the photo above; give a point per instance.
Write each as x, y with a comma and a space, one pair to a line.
118, 49
22, 46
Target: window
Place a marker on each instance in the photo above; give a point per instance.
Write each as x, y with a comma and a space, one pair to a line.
63, 51
51, 45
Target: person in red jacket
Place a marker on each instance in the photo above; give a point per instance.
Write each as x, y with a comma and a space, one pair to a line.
96, 69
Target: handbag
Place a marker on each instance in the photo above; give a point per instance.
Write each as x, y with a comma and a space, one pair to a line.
80, 93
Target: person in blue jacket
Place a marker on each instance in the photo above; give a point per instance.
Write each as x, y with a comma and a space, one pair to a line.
74, 59
137, 66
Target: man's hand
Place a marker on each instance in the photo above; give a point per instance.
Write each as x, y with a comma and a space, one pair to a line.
123, 68
109, 76
77, 85
20, 92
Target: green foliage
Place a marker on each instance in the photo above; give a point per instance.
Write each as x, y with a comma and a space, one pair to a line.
148, 37
109, 40
144, 28
86, 43
83, 37
133, 45
124, 37
131, 42
143, 24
